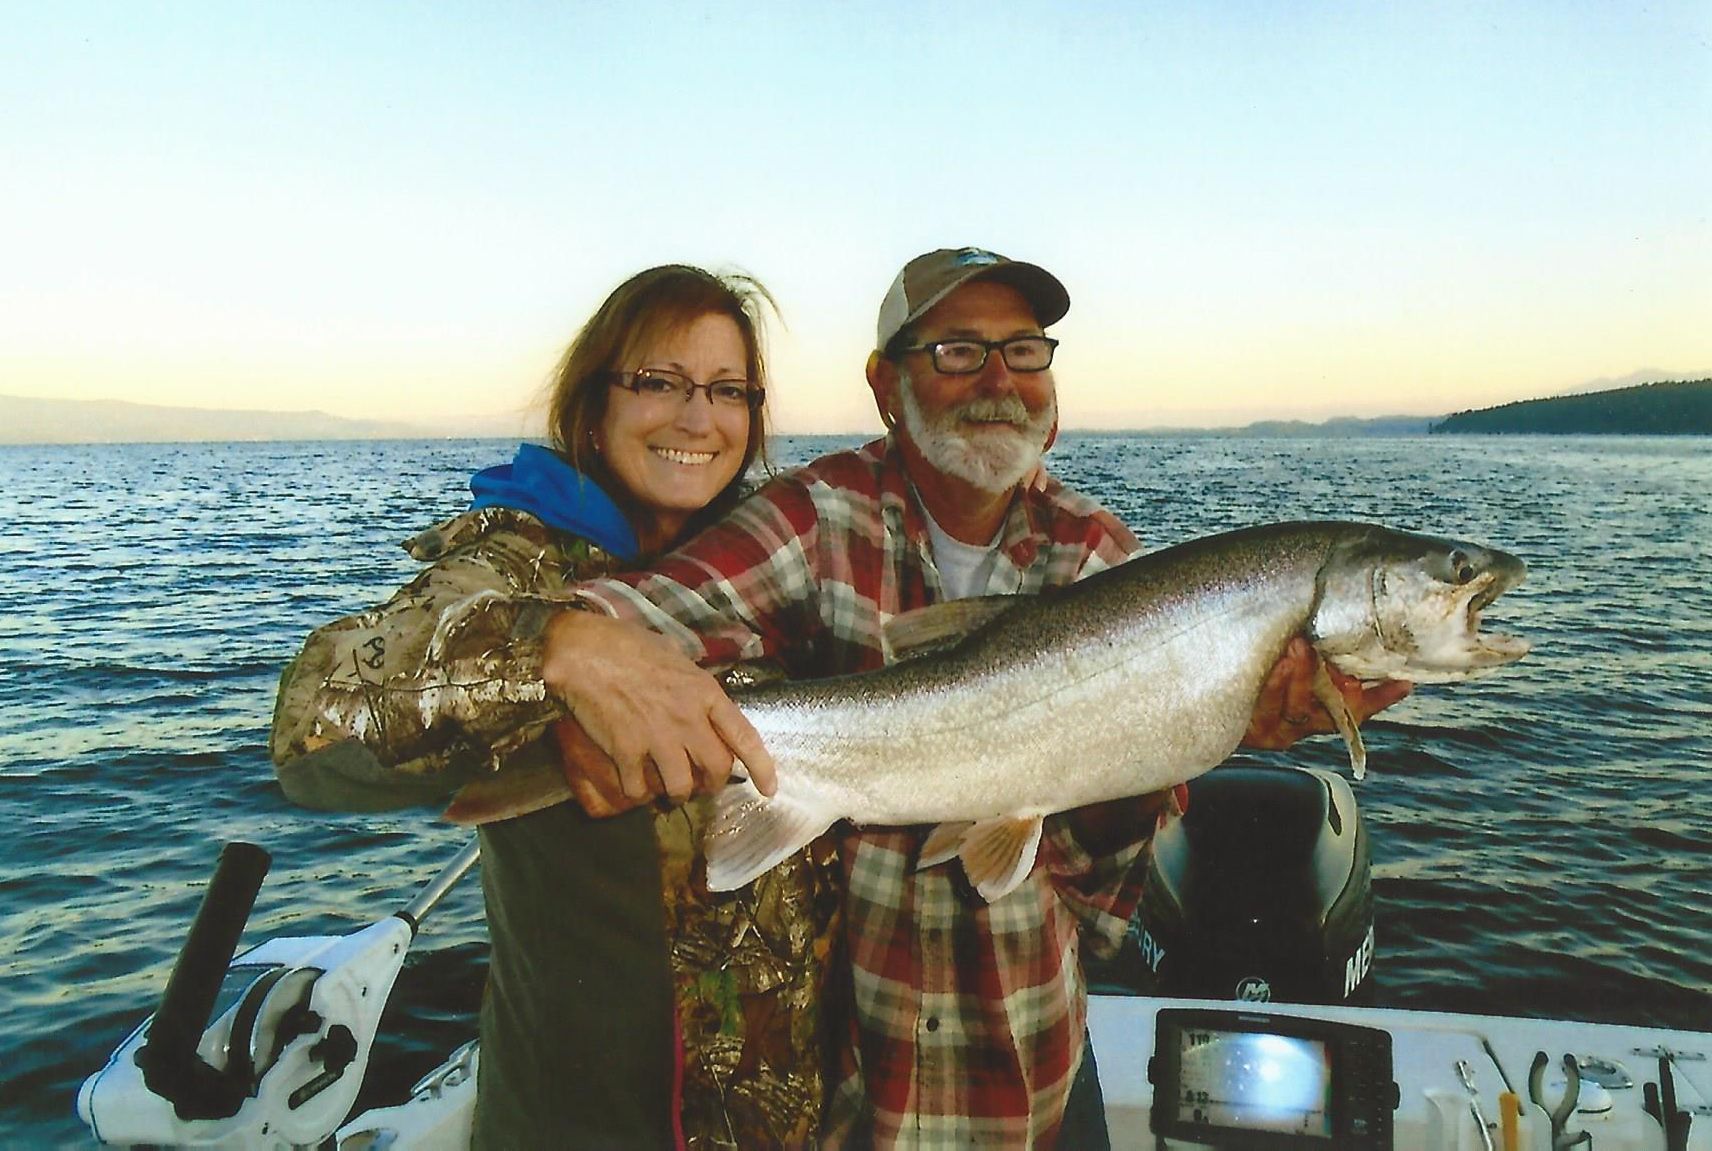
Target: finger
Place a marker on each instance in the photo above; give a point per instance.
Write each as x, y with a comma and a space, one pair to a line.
634, 770
1269, 703
591, 775
1267, 728
675, 773
582, 760
1300, 706
1372, 700
575, 747
1304, 661
745, 743
598, 804
711, 759
1366, 699
1180, 798
1279, 676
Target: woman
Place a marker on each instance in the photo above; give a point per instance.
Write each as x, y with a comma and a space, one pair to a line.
625, 1006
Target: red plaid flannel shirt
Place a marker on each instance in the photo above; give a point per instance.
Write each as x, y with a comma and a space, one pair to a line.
969, 1018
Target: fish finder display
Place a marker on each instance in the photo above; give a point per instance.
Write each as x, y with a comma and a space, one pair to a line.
1260, 1081
1255, 1082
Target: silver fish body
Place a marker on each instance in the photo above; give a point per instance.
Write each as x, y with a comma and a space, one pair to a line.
1130, 681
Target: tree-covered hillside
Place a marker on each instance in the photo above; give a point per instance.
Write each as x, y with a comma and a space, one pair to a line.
1676, 408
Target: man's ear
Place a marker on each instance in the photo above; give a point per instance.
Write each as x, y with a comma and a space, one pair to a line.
883, 382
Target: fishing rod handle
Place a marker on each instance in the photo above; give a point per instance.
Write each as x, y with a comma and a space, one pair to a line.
195, 981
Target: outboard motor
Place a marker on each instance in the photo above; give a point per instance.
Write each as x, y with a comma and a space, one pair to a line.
1262, 891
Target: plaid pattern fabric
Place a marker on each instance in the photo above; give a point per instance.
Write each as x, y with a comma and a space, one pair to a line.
969, 1019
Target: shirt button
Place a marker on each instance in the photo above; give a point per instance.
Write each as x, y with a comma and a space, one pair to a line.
933, 1023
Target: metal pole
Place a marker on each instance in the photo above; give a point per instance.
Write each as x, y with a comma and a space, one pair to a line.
435, 889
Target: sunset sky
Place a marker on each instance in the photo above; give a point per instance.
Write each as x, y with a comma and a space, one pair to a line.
1260, 209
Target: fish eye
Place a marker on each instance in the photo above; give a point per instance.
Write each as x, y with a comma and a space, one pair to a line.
1461, 566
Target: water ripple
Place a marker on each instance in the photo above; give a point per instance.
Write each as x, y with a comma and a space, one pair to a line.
1541, 841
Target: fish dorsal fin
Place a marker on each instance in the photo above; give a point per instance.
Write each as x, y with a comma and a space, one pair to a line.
940, 625
751, 834
1327, 693
997, 854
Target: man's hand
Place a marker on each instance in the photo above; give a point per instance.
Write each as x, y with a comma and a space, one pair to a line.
591, 773
1287, 709
646, 722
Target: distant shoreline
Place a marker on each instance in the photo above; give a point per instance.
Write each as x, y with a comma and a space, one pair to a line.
1667, 408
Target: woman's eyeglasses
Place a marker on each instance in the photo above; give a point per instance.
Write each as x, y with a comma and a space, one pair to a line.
662, 386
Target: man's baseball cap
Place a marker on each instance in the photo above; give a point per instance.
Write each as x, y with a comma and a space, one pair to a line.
931, 277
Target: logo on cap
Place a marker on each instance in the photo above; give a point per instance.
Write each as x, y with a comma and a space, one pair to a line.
974, 257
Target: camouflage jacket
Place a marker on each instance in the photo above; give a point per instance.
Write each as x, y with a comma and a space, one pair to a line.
403, 704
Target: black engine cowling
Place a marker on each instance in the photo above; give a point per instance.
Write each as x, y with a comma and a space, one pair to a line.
1262, 891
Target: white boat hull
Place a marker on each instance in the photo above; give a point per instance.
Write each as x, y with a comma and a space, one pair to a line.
1433, 1112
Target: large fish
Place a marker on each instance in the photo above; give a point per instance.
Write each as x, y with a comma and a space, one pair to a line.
1130, 681
1127, 682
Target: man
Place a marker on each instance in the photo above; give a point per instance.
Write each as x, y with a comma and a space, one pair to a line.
969, 1017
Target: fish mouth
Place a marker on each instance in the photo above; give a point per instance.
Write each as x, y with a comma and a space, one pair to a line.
1489, 649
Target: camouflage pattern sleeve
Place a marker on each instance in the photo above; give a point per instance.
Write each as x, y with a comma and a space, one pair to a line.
402, 704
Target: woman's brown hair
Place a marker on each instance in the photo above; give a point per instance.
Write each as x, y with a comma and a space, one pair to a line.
648, 307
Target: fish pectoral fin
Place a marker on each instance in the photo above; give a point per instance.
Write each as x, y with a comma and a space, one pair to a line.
516, 790
942, 843
941, 625
751, 834
1332, 699
998, 854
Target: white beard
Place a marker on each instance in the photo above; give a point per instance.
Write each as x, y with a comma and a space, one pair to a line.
993, 458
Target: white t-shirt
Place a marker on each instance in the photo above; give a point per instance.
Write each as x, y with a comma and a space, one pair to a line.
964, 569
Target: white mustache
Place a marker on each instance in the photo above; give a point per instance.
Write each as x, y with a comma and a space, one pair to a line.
1002, 410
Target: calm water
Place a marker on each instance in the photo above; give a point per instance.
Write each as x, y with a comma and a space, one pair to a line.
1542, 839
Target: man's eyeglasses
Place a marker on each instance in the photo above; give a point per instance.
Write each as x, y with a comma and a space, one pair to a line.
662, 386
966, 357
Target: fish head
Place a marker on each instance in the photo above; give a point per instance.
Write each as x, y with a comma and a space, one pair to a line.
1395, 605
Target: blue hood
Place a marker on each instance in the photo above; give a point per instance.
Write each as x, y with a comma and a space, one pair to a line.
539, 482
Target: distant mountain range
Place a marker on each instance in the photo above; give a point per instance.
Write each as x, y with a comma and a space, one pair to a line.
1670, 407
30, 420
1343, 427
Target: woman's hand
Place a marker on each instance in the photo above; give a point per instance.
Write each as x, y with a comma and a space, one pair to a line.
1287, 709
645, 721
